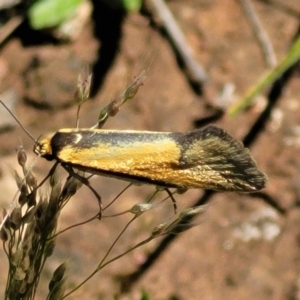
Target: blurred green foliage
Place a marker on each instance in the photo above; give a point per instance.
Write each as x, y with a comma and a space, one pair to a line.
132, 5
52, 13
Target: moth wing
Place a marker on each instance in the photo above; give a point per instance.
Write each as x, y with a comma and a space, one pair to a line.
214, 149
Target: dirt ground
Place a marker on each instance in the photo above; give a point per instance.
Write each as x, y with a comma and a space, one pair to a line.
244, 246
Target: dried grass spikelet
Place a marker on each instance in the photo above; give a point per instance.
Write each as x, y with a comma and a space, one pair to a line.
28, 232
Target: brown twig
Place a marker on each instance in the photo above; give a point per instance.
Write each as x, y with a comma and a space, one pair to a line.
283, 7
9, 28
260, 33
195, 71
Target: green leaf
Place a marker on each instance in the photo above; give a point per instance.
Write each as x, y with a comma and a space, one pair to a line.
291, 58
132, 5
145, 296
51, 13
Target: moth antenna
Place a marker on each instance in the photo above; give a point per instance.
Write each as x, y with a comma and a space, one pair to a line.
16, 119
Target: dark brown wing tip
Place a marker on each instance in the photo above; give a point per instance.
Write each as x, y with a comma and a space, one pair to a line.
233, 160
252, 176
257, 181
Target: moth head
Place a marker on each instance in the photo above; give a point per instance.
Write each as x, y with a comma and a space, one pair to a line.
43, 148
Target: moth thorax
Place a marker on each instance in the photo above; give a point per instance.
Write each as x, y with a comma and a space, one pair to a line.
43, 147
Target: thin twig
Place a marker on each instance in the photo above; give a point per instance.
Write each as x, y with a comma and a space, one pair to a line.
194, 69
283, 7
260, 33
9, 28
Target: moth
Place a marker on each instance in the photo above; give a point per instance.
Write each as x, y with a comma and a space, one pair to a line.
206, 158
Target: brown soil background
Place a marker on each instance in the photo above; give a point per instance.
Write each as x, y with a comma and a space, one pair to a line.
244, 247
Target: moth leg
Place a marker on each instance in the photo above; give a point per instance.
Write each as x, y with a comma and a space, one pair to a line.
172, 199
32, 194
84, 181
51, 172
